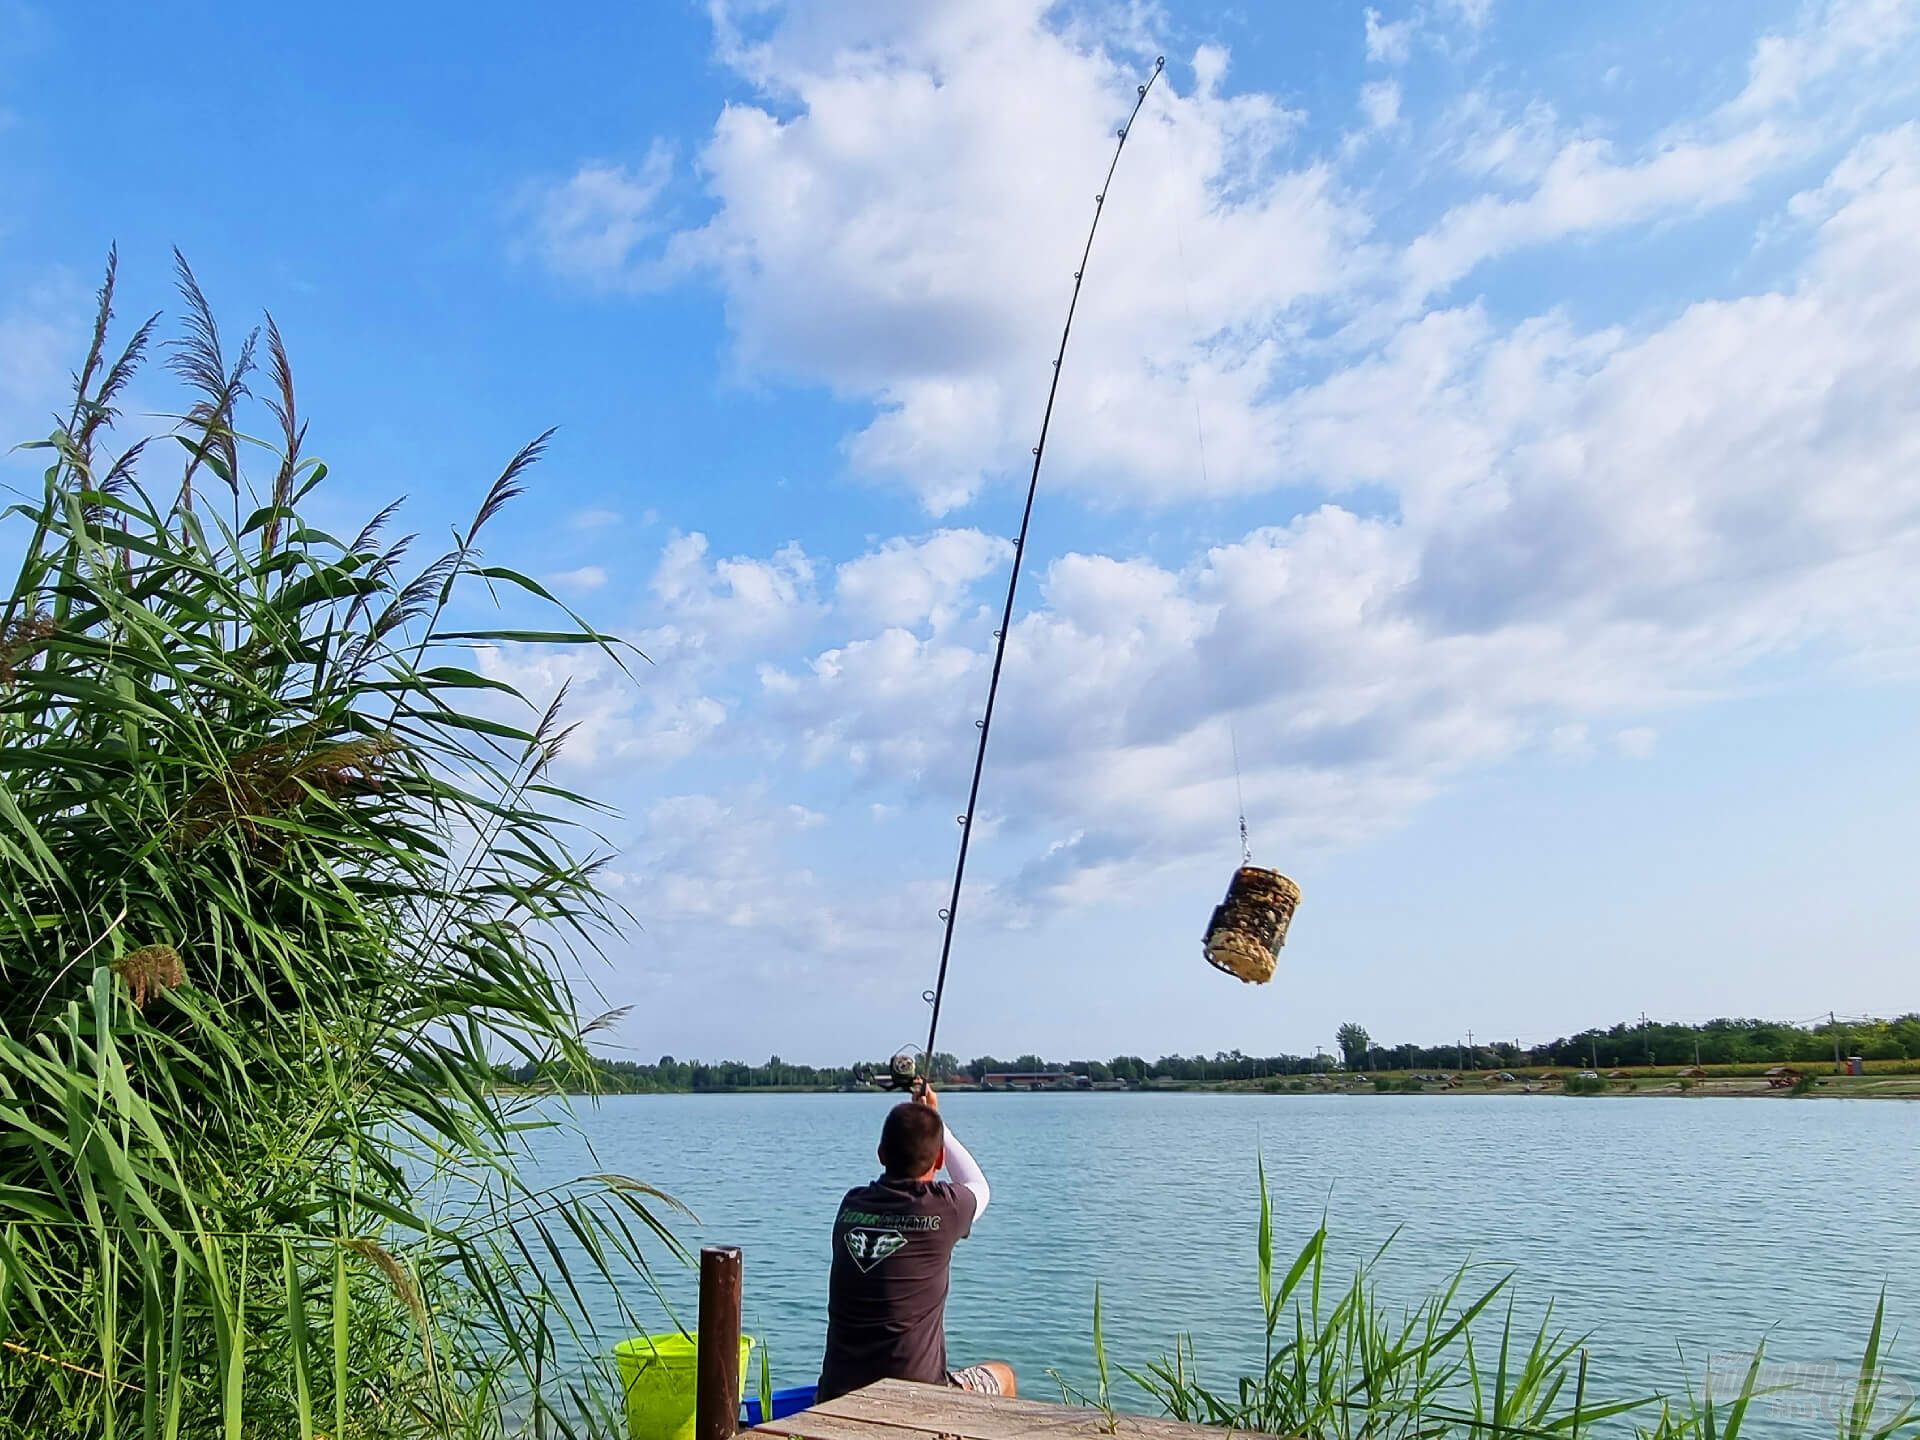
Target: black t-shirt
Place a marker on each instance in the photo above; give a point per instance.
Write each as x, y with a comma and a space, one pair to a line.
887, 1293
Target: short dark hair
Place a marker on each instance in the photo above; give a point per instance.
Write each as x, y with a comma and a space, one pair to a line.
911, 1140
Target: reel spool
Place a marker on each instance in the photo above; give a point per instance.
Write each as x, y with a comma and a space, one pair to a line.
902, 1073
1249, 926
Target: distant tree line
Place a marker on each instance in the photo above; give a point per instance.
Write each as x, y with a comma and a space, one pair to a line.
1631, 1042
1726, 1041
668, 1075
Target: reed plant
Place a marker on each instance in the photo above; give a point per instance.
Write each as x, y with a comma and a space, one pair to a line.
1341, 1363
286, 873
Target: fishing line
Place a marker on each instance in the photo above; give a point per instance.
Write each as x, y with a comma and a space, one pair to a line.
985, 724
1206, 488
1239, 796
1193, 390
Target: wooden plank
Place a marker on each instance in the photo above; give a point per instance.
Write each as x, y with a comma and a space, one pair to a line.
896, 1409
819, 1425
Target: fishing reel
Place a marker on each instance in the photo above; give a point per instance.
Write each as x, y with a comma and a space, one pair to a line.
902, 1073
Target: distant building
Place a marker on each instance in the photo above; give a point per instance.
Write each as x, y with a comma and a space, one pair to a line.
1027, 1079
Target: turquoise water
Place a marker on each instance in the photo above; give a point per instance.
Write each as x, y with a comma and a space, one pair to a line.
1656, 1223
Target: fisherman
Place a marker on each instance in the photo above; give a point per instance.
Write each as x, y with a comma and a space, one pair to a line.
892, 1243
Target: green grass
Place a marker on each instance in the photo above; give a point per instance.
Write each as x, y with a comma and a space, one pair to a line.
285, 872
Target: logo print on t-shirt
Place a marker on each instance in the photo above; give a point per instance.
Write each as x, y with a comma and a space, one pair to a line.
869, 1246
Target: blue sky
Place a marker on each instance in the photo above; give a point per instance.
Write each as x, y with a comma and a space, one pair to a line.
1499, 419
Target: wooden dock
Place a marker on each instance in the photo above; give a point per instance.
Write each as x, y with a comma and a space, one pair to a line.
900, 1410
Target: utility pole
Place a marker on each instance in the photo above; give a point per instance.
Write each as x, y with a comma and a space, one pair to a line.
1696, 1049
1646, 1036
1834, 1025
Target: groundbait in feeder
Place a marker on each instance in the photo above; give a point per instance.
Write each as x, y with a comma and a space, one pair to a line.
1250, 925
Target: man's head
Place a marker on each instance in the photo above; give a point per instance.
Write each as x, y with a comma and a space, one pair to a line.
913, 1142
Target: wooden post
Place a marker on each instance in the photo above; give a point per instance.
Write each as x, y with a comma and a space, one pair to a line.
717, 1398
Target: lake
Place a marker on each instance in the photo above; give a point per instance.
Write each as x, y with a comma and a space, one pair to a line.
1702, 1223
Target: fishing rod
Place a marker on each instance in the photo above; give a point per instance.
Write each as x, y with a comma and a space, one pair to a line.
985, 724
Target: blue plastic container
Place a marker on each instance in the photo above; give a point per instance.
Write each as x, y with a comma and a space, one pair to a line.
785, 1402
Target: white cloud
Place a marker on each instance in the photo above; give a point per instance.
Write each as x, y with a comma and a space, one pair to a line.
860, 207
910, 582
1388, 42
708, 616
724, 608
588, 227
641, 720
1571, 740
1836, 38
587, 577
1474, 14
1380, 103
1516, 536
595, 519
1483, 141
1588, 186
1591, 528
861, 235
729, 883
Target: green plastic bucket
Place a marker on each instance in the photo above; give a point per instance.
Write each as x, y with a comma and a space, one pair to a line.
658, 1375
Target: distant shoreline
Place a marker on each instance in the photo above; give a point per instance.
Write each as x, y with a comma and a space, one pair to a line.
1650, 1086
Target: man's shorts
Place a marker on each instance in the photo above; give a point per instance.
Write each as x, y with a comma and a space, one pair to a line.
977, 1378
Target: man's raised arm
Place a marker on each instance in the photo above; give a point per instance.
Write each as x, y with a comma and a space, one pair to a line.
962, 1168
964, 1171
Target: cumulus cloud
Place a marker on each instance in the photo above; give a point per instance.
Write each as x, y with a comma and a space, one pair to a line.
590, 226
869, 236
1497, 535
910, 582
730, 884
1591, 525
720, 608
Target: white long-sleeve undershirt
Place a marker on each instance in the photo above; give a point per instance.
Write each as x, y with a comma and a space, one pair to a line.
965, 1172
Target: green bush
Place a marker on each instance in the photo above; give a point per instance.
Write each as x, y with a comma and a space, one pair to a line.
1585, 1085
284, 875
